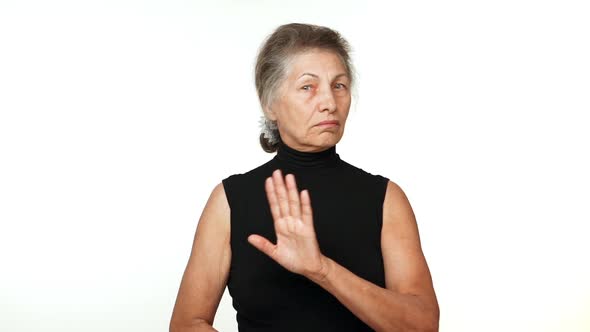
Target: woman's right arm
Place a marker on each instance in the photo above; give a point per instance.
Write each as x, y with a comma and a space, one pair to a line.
207, 270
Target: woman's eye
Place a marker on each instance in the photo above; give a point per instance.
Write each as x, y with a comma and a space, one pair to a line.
338, 85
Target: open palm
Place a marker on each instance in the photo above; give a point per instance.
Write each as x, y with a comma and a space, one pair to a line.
297, 247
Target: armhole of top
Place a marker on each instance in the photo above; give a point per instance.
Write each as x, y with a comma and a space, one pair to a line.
227, 187
383, 183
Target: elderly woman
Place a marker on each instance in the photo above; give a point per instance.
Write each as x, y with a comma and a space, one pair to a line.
307, 241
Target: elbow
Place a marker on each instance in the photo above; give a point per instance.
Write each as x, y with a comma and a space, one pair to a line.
431, 328
197, 324
424, 325
430, 321
426, 321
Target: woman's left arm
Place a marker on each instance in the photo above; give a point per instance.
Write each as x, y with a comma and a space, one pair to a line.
408, 303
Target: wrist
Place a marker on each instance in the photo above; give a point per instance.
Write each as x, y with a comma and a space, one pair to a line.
322, 274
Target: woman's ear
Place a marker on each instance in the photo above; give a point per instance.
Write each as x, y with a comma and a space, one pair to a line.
270, 114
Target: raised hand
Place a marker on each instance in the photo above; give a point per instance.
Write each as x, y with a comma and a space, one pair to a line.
297, 247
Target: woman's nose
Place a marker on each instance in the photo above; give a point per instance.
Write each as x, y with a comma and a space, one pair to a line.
327, 100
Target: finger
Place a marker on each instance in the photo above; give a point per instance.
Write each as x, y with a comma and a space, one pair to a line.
272, 199
262, 244
293, 194
281, 192
306, 210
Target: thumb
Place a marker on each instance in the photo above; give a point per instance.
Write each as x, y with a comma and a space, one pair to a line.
262, 244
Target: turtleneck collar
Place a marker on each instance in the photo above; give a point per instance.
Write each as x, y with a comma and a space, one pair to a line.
301, 159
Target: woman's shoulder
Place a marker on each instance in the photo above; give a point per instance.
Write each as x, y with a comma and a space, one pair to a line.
250, 173
371, 176
239, 178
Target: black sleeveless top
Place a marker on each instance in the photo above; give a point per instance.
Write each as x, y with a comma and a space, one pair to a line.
347, 204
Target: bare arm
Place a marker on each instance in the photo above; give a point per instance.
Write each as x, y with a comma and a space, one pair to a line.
207, 270
408, 303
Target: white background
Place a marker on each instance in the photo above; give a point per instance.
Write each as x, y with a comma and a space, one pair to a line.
119, 117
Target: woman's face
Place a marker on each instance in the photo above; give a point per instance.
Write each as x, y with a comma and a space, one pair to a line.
315, 89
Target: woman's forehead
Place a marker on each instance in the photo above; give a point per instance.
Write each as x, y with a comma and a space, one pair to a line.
315, 76
315, 64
